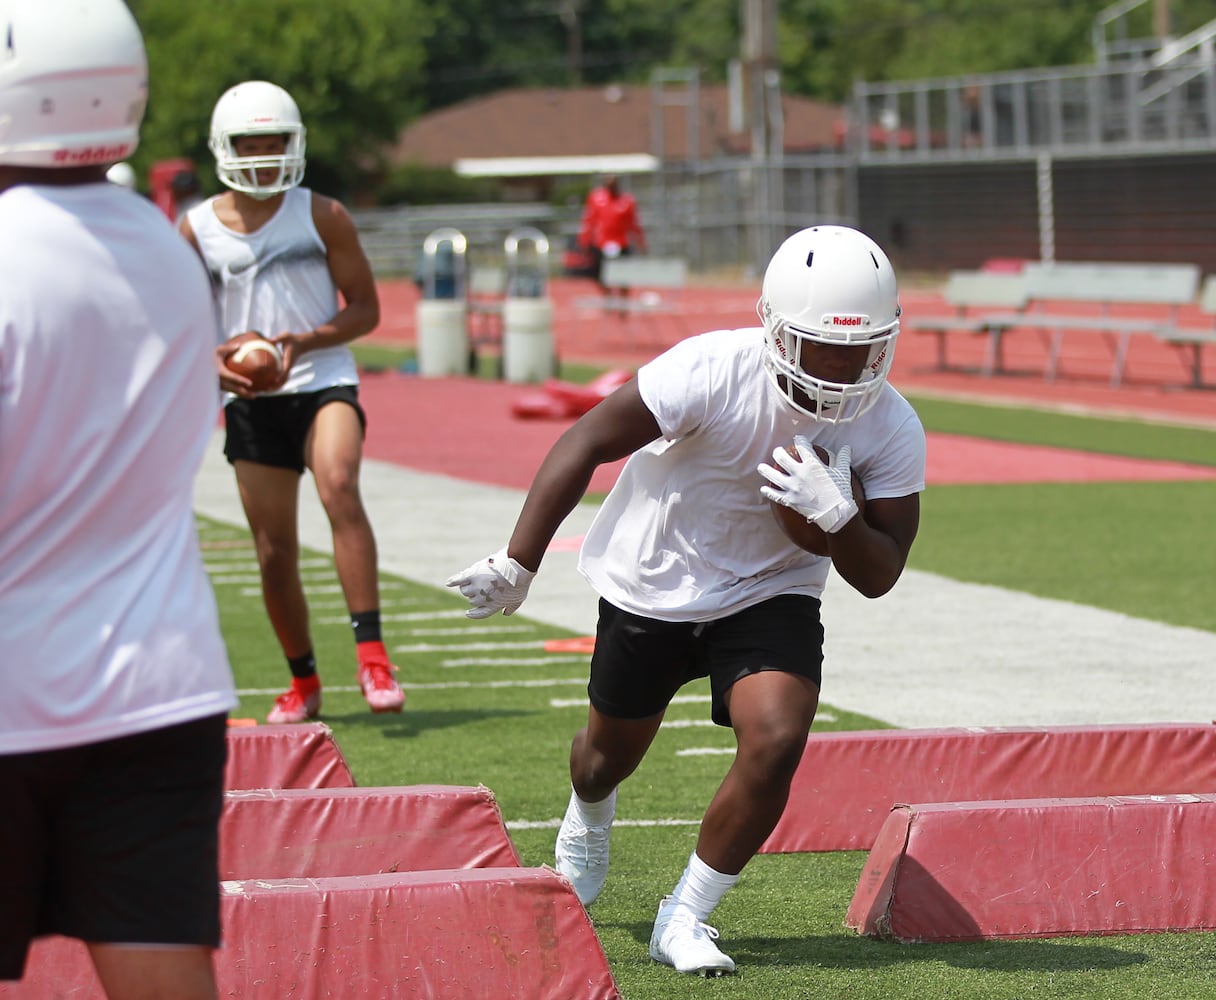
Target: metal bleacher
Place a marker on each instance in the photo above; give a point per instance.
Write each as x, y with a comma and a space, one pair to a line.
392, 237
1143, 95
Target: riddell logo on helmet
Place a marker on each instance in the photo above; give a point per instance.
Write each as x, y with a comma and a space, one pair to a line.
91, 154
847, 320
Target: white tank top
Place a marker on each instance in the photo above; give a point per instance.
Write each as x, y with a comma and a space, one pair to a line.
108, 398
276, 280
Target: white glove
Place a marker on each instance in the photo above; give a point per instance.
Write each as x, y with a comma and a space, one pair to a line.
820, 493
495, 583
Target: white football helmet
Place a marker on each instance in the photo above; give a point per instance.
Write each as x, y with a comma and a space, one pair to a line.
257, 108
73, 82
829, 285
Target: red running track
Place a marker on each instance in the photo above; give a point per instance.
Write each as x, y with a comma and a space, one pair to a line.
463, 427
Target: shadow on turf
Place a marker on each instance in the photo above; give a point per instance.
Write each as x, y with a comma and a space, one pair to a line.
846, 951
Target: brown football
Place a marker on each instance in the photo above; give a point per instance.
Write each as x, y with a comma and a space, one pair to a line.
806, 534
255, 357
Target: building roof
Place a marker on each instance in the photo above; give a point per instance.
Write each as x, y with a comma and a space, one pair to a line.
588, 129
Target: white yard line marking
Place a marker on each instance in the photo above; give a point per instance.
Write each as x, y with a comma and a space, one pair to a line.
680, 699
327, 589
553, 824
512, 661
484, 630
434, 686
389, 602
467, 647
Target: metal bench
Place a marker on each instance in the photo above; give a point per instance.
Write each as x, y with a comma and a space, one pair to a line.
1031, 301
1192, 339
1109, 286
646, 275
966, 292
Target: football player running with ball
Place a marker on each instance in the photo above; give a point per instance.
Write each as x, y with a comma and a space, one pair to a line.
694, 575
279, 257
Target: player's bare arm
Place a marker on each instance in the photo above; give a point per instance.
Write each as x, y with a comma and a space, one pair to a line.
613, 429
870, 551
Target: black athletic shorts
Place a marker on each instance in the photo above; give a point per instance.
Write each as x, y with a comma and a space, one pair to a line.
114, 841
271, 430
639, 663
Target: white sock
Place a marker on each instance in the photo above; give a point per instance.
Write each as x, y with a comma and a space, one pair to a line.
592, 813
701, 888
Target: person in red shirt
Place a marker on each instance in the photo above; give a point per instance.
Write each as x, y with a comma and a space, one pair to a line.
610, 226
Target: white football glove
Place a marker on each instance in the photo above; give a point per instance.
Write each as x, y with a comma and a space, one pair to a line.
495, 583
820, 493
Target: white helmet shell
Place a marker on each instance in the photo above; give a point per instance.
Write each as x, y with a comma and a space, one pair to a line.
829, 285
73, 82
257, 108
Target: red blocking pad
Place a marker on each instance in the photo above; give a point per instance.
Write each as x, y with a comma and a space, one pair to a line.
967, 871
847, 782
297, 832
299, 756
459, 935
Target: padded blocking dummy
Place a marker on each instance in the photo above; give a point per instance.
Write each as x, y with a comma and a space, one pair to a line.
459, 935
297, 832
847, 782
299, 756
966, 871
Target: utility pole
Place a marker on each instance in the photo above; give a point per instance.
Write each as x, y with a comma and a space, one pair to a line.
762, 110
1161, 19
569, 11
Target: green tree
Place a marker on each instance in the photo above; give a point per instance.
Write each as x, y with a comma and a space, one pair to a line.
355, 68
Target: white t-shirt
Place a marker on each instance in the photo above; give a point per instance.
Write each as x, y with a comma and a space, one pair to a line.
108, 397
685, 534
276, 280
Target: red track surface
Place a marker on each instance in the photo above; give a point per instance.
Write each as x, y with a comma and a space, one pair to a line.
464, 427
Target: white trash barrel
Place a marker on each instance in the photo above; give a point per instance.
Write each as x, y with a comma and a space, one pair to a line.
443, 337
527, 339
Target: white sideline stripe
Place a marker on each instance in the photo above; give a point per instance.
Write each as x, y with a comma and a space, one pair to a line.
434, 686
553, 824
511, 661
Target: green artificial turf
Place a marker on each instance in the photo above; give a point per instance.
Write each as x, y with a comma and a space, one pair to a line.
1140, 548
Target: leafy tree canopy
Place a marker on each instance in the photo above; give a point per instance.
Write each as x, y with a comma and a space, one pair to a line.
362, 69
354, 67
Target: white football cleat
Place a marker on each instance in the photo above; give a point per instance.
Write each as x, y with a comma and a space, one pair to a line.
581, 852
685, 943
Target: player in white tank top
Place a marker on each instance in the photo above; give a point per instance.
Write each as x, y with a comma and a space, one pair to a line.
287, 263
694, 575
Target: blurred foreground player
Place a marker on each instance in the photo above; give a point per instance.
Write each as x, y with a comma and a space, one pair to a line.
114, 681
280, 256
696, 578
